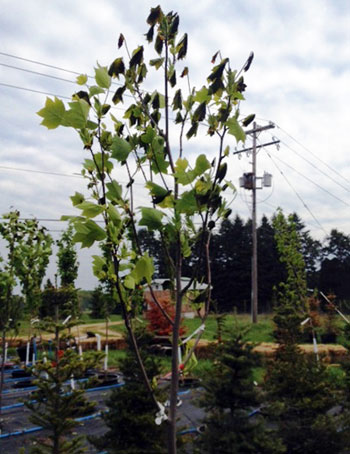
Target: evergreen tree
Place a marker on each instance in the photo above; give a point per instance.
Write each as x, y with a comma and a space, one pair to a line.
54, 406
131, 416
231, 265
229, 398
299, 388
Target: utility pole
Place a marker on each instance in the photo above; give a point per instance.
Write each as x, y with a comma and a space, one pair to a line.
249, 181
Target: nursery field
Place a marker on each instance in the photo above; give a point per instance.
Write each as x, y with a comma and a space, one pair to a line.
257, 333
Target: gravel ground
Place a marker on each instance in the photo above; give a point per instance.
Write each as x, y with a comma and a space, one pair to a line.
17, 419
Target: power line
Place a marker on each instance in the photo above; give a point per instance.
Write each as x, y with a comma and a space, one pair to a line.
313, 182
37, 73
32, 90
296, 193
313, 154
315, 167
41, 63
42, 171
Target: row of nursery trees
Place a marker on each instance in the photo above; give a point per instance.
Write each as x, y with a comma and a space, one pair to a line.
327, 264
187, 200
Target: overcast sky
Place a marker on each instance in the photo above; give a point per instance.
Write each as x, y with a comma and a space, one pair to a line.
299, 80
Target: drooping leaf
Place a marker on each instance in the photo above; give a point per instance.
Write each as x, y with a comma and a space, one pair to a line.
121, 40
82, 95
181, 48
137, 57
155, 15
149, 34
248, 62
184, 72
118, 95
158, 45
213, 59
199, 113
247, 120
177, 101
218, 70
102, 77
120, 149
157, 62
192, 131
53, 113
116, 68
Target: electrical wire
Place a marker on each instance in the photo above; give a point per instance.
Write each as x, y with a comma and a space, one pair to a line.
315, 167
313, 154
313, 182
37, 73
296, 193
32, 90
42, 171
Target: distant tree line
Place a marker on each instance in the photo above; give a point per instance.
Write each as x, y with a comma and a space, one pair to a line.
327, 263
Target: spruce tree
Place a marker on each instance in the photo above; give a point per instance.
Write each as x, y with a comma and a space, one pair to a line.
55, 405
299, 388
230, 397
131, 415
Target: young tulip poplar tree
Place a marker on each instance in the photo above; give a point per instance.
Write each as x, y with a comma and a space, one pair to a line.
150, 143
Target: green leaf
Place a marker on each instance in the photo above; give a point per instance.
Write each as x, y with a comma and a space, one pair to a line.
149, 135
120, 149
77, 115
102, 78
235, 129
202, 95
114, 215
129, 282
202, 164
90, 210
157, 62
156, 190
77, 198
53, 113
144, 269
114, 193
181, 165
95, 90
98, 266
151, 218
87, 233
82, 79
187, 203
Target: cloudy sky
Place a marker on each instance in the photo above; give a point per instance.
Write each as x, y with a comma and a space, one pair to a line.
299, 80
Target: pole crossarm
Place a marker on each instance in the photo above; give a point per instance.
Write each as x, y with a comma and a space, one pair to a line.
274, 142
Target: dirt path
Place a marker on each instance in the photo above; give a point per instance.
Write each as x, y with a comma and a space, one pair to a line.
77, 331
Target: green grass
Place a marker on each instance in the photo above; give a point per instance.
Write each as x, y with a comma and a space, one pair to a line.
260, 332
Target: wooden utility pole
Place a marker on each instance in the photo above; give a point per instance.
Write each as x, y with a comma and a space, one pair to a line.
251, 184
